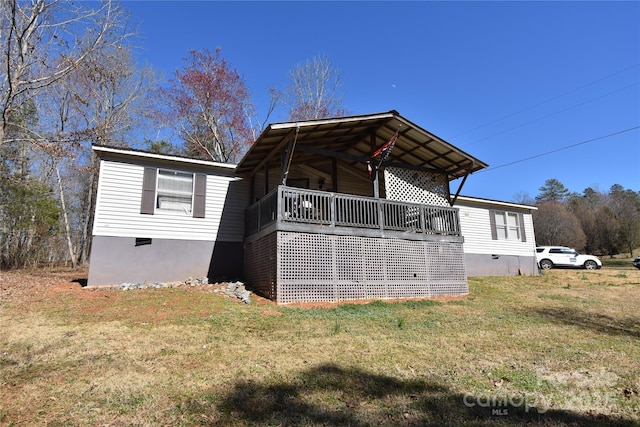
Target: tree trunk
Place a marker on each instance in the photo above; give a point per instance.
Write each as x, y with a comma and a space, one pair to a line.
85, 243
66, 219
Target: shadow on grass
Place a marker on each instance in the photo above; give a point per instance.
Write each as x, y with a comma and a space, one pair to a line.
597, 322
329, 395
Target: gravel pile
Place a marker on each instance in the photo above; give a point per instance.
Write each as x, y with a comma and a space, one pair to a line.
235, 289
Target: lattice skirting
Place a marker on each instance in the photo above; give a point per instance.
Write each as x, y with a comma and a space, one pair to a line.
260, 263
302, 267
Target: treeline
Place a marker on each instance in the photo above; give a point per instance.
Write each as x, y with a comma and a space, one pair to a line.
603, 223
69, 79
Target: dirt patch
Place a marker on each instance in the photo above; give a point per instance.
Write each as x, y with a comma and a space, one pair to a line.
24, 287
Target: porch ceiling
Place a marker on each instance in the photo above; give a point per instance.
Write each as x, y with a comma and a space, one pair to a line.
355, 138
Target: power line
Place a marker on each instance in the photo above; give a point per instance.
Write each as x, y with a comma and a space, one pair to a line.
553, 113
559, 149
545, 101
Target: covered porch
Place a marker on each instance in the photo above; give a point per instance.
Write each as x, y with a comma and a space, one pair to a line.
332, 220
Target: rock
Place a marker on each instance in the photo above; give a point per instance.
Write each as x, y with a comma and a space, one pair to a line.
234, 289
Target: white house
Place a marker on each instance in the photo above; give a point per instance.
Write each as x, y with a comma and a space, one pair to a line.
309, 214
499, 237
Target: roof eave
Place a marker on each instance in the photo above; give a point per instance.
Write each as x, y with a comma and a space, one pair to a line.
103, 151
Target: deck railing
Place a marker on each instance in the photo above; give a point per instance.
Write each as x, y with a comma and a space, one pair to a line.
287, 205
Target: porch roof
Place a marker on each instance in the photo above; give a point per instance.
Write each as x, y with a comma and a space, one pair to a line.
354, 138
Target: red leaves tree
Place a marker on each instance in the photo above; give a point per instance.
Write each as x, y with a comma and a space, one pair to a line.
208, 105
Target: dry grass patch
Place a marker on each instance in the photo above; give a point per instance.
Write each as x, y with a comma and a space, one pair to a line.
559, 349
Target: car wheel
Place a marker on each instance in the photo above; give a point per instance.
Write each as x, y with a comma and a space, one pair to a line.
546, 264
590, 265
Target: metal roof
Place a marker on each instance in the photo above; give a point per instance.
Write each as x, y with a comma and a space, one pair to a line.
356, 137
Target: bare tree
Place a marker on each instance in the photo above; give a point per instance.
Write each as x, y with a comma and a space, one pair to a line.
313, 90
608, 231
555, 225
43, 41
523, 198
625, 207
106, 97
587, 208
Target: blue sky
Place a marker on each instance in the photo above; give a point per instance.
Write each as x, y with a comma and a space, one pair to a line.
504, 81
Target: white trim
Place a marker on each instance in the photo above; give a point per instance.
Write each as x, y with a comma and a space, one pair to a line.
141, 154
495, 203
288, 125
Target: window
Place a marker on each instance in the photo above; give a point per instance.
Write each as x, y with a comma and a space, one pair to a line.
175, 191
507, 226
564, 251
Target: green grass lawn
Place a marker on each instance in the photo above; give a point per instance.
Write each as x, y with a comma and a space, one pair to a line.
559, 349
621, 262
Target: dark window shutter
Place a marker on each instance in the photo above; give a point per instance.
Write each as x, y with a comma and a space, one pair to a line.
148, 202
492, 221
523, 235
199, 195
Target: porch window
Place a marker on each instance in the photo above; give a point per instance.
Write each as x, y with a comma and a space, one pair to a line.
507, 226
175, 191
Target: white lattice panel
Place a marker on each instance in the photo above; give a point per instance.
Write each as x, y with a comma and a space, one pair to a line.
261, 265
416, 186
320, 267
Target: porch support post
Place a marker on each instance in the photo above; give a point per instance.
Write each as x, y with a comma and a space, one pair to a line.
372, 145
286, 159
334, 174
252, 191
376, 184
455, 198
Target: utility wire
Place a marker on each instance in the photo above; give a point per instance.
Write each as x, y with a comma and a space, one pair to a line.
545, 101
553, 113
559, 149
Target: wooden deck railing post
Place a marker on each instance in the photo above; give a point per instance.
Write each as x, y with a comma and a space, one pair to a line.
280, 205
332, 209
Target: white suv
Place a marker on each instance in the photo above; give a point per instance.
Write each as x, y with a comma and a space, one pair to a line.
561, 256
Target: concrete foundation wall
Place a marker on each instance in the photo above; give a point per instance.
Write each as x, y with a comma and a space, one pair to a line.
116, 260
500, 265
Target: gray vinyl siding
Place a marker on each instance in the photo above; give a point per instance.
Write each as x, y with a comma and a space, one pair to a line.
476, 226
118, 208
